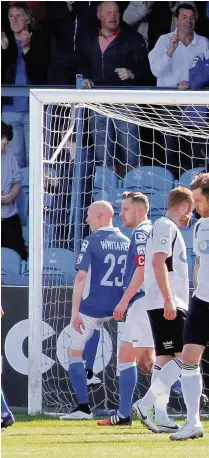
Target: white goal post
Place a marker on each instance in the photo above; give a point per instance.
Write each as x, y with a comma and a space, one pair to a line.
106, 102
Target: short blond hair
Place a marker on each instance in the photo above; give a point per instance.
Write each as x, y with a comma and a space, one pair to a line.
137, 197
179, 195
201, 181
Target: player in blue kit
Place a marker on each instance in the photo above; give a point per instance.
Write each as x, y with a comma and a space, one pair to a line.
136, 342
97, 290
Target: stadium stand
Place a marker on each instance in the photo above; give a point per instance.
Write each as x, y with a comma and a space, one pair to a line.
10, 267
23, 205
156, 182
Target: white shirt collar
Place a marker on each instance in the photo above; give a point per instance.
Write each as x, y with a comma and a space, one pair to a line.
194, 40
143, 222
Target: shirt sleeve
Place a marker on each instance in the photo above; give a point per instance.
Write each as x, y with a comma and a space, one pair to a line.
85, 257
195, 248
16, 173
160, 63
162, 238
139, 243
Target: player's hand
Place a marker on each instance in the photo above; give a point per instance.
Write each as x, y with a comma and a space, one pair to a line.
70, 5
173, 45
169, 310
78, 324
6, 200
4, 41
124, 73
120, 310
88, 84
183, 85
26, 39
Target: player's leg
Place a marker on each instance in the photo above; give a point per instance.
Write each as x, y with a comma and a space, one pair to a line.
168, 338
76, 370
196, 337
127, 384
137, 346
90, 355
128, 374
7, 418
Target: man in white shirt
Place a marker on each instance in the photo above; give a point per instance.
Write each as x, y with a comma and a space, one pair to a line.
167, 296
196, 333
170, 61
173, 54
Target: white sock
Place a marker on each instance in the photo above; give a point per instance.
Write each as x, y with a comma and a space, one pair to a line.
191, 382
161, 401
167, 376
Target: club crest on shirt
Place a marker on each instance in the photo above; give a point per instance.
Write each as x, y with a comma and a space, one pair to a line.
84, 245
140, 237
164, 239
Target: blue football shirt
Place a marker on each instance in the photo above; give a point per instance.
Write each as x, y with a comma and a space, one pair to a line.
103, 256
136, 255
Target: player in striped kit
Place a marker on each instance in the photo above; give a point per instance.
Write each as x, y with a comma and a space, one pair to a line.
167, 295
196, 334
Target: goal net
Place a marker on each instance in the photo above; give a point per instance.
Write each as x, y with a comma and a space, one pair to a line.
94, 145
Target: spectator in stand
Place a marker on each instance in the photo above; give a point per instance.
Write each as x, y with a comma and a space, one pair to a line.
136, 15
68, 23
38, 11
173, 7
170, 61
24, 61
173, 54
11, 230
114, 55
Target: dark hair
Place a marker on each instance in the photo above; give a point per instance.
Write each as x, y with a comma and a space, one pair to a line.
185, 6
26, 8
6, 131
201, 181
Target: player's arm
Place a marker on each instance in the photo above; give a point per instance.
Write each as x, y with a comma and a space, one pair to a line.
78, 288
136, 282
161, 275
82, 266
195, 271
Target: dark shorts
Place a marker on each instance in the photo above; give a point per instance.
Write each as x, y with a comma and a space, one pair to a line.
167, 334
196, 329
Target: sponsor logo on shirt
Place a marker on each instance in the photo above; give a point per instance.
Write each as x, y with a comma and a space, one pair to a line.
84, 245
140, 237
204, 246
164, 239
80, 257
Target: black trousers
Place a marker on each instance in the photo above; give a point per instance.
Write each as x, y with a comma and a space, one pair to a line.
11, 235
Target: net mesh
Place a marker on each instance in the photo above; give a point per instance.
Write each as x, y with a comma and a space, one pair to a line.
105, 150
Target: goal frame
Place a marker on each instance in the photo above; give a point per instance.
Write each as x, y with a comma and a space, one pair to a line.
39, 98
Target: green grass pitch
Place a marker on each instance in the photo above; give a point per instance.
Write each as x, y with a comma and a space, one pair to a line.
52, 438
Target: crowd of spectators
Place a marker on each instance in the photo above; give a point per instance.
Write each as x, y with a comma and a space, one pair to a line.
119, 44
